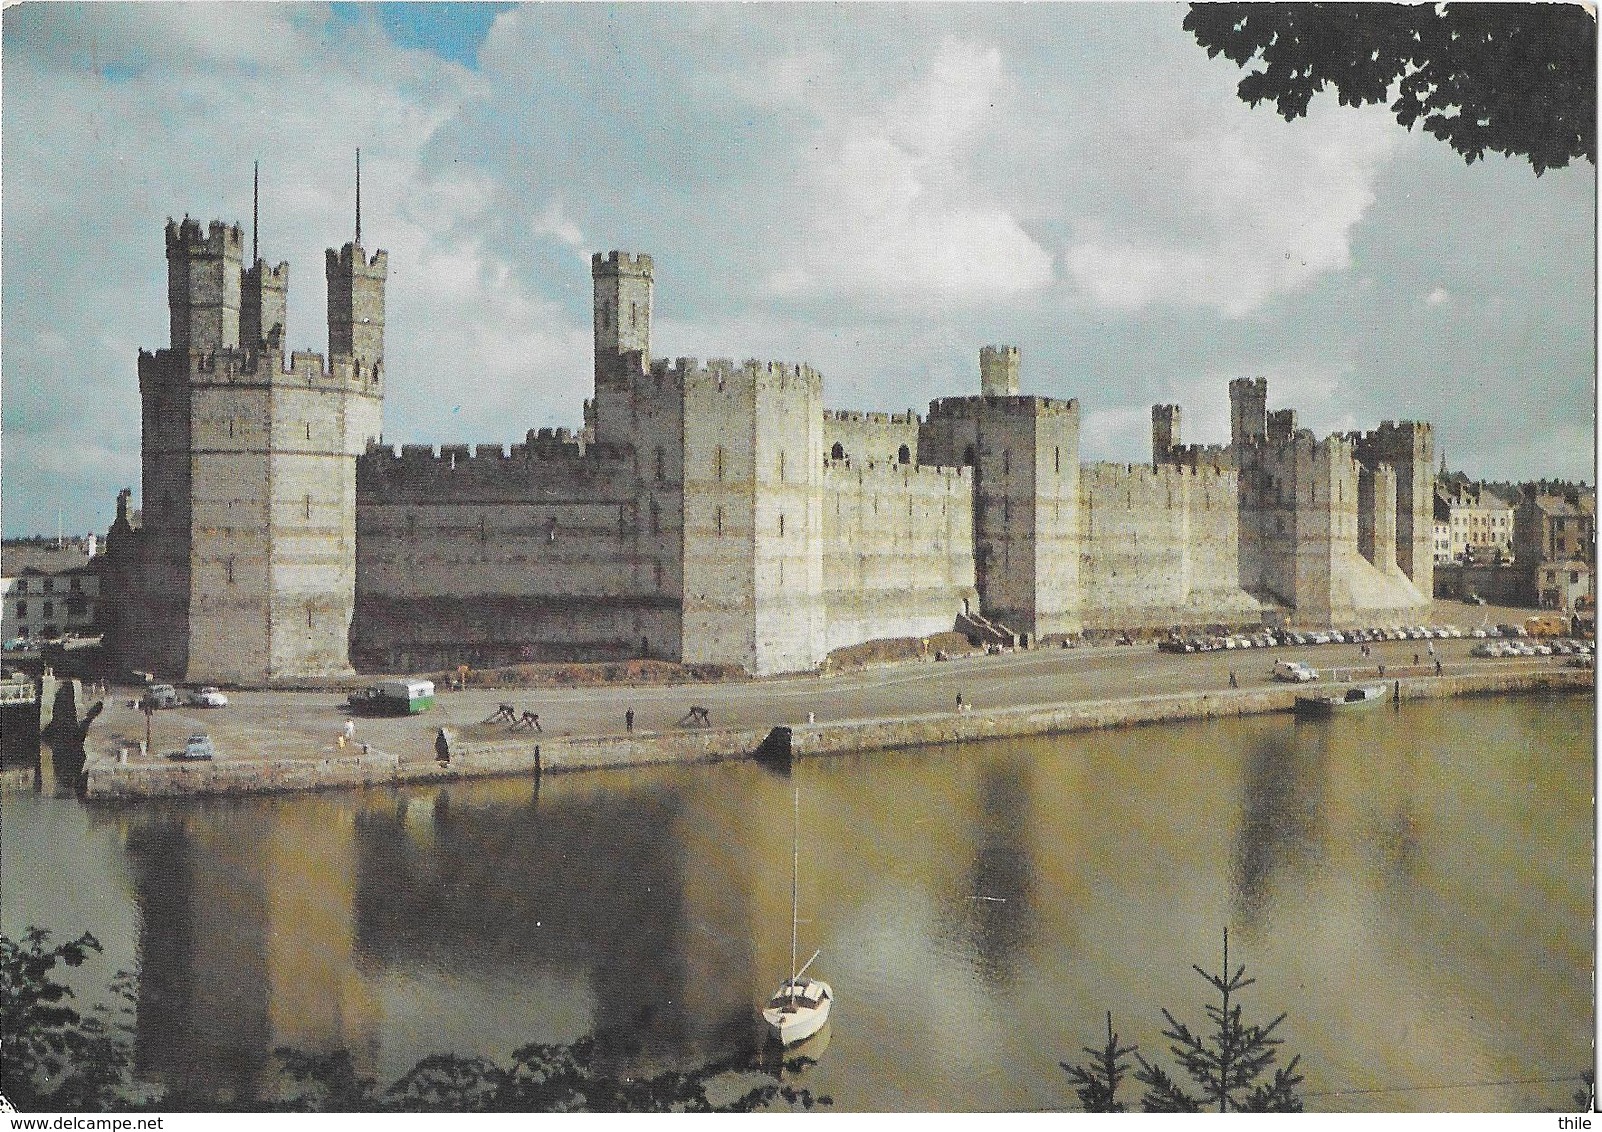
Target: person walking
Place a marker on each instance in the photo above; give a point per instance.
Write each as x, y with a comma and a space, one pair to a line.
1233, 683
628, 719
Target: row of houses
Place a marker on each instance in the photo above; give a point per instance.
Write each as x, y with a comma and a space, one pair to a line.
1539, 549
48, 589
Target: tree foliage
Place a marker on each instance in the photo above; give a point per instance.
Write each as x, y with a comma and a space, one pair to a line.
1518, 79
56, 1058
1226, 1062
1097, 1083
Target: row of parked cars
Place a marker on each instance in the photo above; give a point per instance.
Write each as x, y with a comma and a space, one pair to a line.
1561, 647
1271, 638
166, 696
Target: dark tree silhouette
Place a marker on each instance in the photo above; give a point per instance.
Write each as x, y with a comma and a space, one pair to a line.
56, 1059
1097, 1083
1227, 1061
1518, 79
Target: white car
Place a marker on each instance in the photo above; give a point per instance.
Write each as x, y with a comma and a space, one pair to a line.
206, 697
1294, 672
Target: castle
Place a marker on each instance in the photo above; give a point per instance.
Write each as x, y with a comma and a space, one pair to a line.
705, 513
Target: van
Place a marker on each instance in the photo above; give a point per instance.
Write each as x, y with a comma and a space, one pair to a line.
1293, 672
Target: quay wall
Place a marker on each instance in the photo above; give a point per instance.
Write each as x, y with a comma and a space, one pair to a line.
105, 780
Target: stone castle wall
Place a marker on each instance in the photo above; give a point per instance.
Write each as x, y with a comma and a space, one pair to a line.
898, 550
711, 513
482, 556
883, 438
1160, 547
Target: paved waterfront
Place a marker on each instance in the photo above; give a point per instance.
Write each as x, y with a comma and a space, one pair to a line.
306, 725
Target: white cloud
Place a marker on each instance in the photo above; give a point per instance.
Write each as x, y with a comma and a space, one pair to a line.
1438, 296
1233, 209
894, 205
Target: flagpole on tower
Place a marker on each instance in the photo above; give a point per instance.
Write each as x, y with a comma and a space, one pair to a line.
255, 215
358, 196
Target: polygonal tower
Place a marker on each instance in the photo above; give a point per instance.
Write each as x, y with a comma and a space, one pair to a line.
244, 569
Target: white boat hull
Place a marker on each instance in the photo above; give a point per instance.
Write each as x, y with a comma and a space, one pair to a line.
791, 1021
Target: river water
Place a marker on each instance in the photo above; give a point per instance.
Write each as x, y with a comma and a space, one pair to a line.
1412, 887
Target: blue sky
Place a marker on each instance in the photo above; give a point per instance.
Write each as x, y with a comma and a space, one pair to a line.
877, 189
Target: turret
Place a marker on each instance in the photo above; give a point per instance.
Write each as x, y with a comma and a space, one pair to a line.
623, 285
264, 296
356, 305
1164, 432
203, 278
998, 371
1248, 410
356, 298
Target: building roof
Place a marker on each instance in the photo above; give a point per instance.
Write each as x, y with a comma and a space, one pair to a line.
18, 561
1556, 505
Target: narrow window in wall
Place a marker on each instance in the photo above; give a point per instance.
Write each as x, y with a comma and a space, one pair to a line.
1006, 462
656, 518
781, 524
308, 429
717, 521
1006, 510
717, 463
308, 505
49, 609
661, 465
657, 571
550, 529
230, 571
837, 452
634, 314
1056, 460
967, 456
903, 455
781, 465
230, 428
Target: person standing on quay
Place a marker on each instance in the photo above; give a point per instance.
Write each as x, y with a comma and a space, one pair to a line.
628, 720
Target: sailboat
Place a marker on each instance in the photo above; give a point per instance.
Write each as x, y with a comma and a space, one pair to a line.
800, 1007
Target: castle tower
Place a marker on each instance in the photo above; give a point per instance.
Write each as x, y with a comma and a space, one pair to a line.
1248, 410
998, 371
203, 280
244, 567
1164, 432
264, 294
623, 288
356, 298
356, 305
623, 285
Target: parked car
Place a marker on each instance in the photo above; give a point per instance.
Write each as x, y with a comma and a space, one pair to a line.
1294, 672
198, 748
160, 696
207, 697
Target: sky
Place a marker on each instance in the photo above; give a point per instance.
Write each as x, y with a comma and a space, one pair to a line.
877, 190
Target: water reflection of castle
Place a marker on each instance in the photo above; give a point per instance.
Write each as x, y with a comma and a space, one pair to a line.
322, 923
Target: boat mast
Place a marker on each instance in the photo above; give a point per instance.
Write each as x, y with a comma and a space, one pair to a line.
795, 870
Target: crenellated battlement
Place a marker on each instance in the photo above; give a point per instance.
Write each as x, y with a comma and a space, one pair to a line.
1025, 405
1107, 474
219, 239
352, 260
1396, 441
550, 465
620, 263
726, 376
852, 416
892, 471
302, 369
